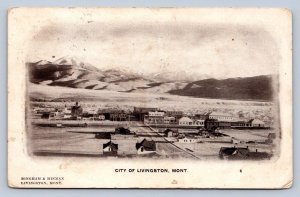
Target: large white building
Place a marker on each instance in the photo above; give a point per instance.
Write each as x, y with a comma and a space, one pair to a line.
156, 113
188, 140
220, 116
256, 123
185, 121
154, 117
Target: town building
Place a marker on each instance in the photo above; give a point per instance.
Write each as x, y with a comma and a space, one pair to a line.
224, 124
169, 120
188, 139
256, 123
240, 124
146, 147
220, 116
184, 121
211, 124
233, 153
45, 115
118, 116
90, 114
67, 114
156, 117
55, 115
141, 112
199, 122
176, 114
101, 117
41, 110
170, 133
112, 114
76, 111
240, 153
110, 149
156, 113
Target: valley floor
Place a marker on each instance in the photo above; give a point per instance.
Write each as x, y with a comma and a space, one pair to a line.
60, 141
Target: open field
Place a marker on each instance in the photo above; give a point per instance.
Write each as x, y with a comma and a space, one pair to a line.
50, 140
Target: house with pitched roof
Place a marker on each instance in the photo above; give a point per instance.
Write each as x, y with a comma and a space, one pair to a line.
240, 153
188, 139
184, 121
146, 147
110, 149
256, 123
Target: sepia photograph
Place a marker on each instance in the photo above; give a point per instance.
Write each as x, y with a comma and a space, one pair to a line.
166, 103
155, 86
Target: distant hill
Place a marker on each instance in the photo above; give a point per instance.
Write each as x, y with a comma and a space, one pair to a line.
72, 73
249, 88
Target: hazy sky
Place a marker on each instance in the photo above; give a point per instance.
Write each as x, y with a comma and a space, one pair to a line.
201, 50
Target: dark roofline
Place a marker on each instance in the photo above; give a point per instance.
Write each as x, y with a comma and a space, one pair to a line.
231, 150
251, 120
110, 143
148, 145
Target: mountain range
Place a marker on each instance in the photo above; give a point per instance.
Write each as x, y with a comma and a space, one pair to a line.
72, 73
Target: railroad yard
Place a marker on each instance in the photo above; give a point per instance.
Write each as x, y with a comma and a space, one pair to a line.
70, 141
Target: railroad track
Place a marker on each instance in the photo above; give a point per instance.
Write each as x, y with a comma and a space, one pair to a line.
172, 144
